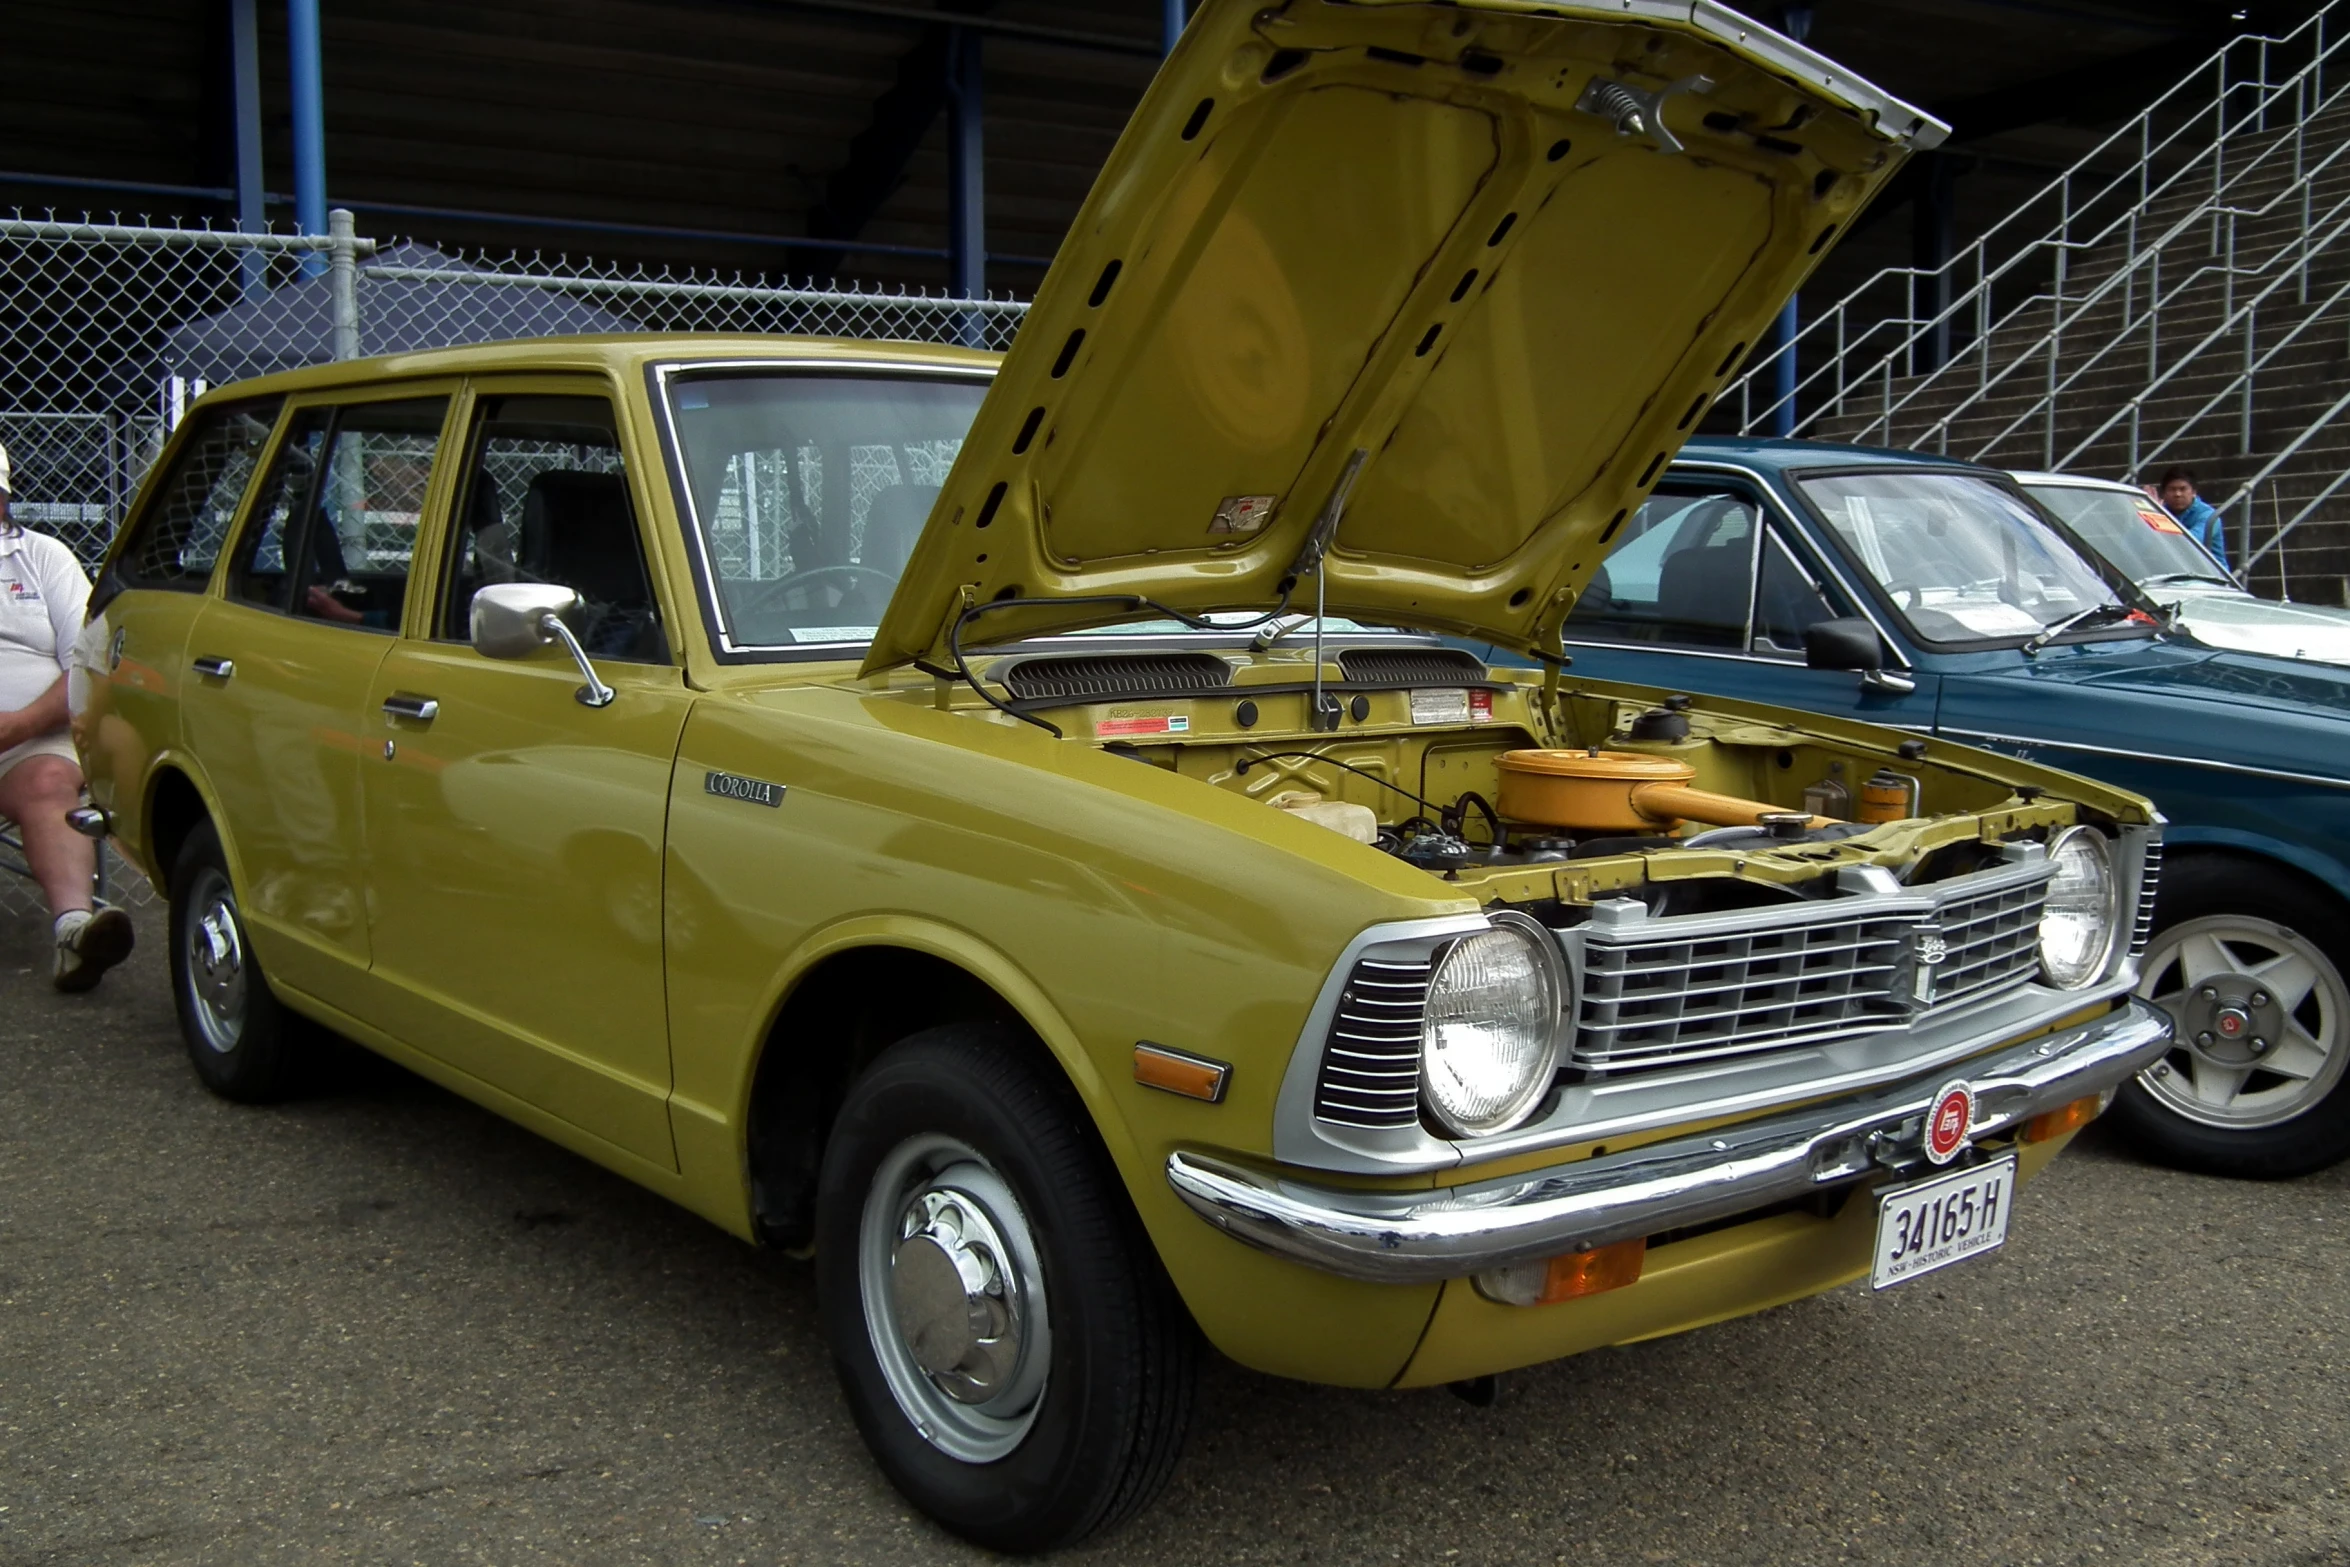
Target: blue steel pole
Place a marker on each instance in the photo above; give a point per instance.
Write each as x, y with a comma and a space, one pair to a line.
1795, 22
309, 104
966, 173
1783, 409
1174, 12
245, 74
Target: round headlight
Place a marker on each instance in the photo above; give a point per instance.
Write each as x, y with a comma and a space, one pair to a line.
2078, 924
1490, 1043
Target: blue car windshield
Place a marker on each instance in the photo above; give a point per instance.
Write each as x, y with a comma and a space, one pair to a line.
1963, 560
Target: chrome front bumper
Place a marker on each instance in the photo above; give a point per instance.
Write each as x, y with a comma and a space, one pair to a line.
1452, 1232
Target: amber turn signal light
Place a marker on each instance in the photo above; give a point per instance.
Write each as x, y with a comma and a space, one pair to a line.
1194, 1077
2063, 1119
1570, 1277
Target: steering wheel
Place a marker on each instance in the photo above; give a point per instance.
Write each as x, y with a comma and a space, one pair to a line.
798, 592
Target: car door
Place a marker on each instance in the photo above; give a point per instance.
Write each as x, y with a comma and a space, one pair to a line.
279, 665
149, 598
514, 834
1708, 588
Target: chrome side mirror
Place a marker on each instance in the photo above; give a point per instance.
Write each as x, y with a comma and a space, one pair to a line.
516, 619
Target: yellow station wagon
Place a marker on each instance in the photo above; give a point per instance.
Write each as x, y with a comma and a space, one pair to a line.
1013, 828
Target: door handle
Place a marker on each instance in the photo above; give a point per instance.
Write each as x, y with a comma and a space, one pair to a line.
216, 668
423, 709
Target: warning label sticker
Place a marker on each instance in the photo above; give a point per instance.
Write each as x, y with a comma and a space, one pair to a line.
1452, 707
1153, 724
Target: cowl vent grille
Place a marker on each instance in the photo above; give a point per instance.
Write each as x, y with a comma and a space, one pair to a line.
1391, 666
1094, 676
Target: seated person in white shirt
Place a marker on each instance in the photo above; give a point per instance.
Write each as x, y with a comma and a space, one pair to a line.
43, 592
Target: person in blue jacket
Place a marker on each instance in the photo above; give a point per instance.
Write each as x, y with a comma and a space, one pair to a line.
2195, 514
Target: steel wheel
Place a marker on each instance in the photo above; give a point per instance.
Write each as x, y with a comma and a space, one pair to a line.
2260, 1012
954, 1298
214, 965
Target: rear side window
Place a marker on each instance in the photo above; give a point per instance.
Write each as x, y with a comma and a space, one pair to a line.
180, 537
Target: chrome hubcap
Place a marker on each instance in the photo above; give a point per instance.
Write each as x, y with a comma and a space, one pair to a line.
954, 1298
2260, 1015
216, 964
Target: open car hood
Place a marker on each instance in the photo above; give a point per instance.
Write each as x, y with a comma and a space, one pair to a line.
1428, 291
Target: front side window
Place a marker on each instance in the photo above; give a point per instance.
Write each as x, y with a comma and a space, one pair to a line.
332, 535
180, 537
1680, 574
545, 499
2137, 537
809, 490
1958, 556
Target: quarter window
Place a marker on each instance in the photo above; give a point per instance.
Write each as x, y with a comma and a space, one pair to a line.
545, 499
179, 539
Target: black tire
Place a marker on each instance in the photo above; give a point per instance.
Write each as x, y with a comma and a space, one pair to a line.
2171, 1114
242, 1042
1106, 1424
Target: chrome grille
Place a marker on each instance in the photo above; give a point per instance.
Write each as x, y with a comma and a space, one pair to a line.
1662, 993
1371, 1061
1658, 1003
2149, 883
1993, 942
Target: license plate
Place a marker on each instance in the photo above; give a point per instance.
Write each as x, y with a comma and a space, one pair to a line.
1932, 1224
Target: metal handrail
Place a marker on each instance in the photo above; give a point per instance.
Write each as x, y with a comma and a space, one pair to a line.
1831, 385
2302, 250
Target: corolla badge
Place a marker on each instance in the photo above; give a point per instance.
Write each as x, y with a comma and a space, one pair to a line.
1929, 948
734, 786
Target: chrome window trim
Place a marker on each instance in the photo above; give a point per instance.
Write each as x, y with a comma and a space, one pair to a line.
672, 452
1978, 736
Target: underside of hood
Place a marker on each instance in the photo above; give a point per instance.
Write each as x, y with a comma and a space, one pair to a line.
1417, 296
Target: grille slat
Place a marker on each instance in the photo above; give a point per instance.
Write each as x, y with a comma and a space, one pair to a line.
1371, 1060
2149, 883
1651, 1001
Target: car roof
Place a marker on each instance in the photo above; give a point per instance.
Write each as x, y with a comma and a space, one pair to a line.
1775, 453
611, 352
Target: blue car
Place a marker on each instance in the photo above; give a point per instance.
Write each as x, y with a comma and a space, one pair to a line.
1934, 596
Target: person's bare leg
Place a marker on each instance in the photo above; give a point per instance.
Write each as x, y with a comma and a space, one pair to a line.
35, 794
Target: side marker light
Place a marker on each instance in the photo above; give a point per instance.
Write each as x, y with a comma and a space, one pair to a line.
1178, 1072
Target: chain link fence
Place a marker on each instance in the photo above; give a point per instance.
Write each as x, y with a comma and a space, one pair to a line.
108, 330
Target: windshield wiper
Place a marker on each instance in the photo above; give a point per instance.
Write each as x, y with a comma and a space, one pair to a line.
2094, 615
2187, 576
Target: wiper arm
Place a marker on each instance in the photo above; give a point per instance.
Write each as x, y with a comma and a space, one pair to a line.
2187, 576
2094, 615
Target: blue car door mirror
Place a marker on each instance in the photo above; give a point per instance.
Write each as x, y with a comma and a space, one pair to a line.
1848, 643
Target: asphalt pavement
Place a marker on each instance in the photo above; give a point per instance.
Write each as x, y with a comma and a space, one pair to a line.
380, 1325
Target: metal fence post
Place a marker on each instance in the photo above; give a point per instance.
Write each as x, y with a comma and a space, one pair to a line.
342, 281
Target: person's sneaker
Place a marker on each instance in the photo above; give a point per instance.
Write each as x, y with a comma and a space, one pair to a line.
89, 942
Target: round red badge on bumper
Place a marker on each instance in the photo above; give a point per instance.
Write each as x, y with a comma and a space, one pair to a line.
1948, 1121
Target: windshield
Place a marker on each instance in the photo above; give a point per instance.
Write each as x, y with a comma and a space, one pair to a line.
1961, 558
809, 491
2137, 537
